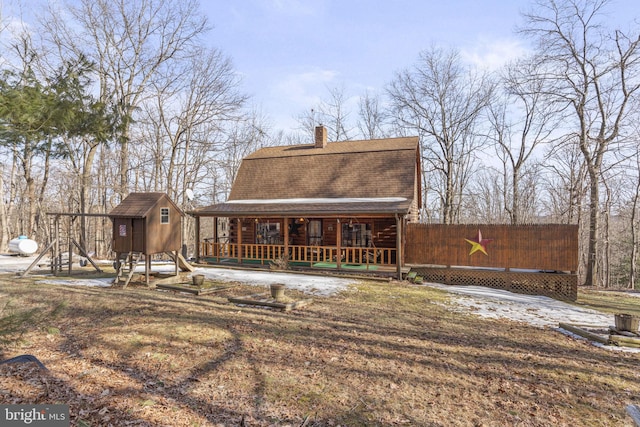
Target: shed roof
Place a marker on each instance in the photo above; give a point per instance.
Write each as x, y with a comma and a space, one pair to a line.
138, 205
351, 177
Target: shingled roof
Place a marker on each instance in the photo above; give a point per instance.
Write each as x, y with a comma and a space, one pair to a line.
368, 176
138, 205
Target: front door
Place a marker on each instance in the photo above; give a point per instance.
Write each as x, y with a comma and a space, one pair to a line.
314, 232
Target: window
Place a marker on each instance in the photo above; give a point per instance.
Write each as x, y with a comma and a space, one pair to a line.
356, 235
164, 215
268, 233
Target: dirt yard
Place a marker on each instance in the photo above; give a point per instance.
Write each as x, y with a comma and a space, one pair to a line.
377, 354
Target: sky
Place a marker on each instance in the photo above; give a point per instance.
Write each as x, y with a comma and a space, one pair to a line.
291, 52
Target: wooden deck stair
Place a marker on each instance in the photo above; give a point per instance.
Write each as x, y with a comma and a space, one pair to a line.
386, 235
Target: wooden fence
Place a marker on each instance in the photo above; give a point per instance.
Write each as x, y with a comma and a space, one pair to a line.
529, 259
545, 247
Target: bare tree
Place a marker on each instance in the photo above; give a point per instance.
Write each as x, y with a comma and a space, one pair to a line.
594, 73
184, 120
244, 136
634, 222
332, 113
441, 100
372, 116
130, 41
565, 183
520, 122
486, 198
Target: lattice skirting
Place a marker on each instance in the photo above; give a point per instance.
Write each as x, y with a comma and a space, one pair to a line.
555, 285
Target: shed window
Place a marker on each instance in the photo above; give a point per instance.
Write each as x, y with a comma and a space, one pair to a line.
164, 215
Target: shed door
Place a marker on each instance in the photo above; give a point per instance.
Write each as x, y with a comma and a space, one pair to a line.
138, 235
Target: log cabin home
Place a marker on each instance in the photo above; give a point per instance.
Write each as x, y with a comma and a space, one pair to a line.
339, 205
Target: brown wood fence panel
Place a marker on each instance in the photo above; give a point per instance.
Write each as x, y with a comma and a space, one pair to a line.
552, 247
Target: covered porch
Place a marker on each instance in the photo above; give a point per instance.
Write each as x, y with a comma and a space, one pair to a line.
358, 243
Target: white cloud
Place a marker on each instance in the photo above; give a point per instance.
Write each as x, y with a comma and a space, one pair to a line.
493, 54
293, 7
304, 89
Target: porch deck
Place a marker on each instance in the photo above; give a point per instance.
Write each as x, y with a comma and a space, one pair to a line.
355, 259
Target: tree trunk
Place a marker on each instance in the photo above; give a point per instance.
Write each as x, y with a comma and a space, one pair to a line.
4, 227
30, 191
634, 235
634, 249
85, 184
448, 195
591, 274
515, 198
124, 165
605, 270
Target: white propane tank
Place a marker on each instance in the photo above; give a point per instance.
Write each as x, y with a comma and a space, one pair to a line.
23, 246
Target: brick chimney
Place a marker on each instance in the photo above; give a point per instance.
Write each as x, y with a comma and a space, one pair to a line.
321, 136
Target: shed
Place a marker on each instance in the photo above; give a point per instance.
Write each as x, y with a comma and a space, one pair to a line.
145, 224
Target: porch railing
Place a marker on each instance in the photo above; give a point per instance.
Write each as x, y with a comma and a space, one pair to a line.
314, 256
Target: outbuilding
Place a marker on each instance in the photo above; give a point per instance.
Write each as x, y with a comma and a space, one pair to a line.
145, 224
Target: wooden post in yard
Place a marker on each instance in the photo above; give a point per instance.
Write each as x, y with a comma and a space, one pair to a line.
147, 267
56, 258
71, 220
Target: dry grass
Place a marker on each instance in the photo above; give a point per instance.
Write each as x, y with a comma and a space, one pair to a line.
378, 354
611, 301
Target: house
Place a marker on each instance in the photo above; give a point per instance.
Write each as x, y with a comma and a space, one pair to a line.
145, 224
322, 205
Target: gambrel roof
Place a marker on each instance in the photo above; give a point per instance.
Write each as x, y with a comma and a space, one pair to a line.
379, 176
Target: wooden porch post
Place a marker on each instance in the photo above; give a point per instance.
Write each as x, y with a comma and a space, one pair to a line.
239, 241
216, 243
338, 244
197, 233
399, 231
286, 239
